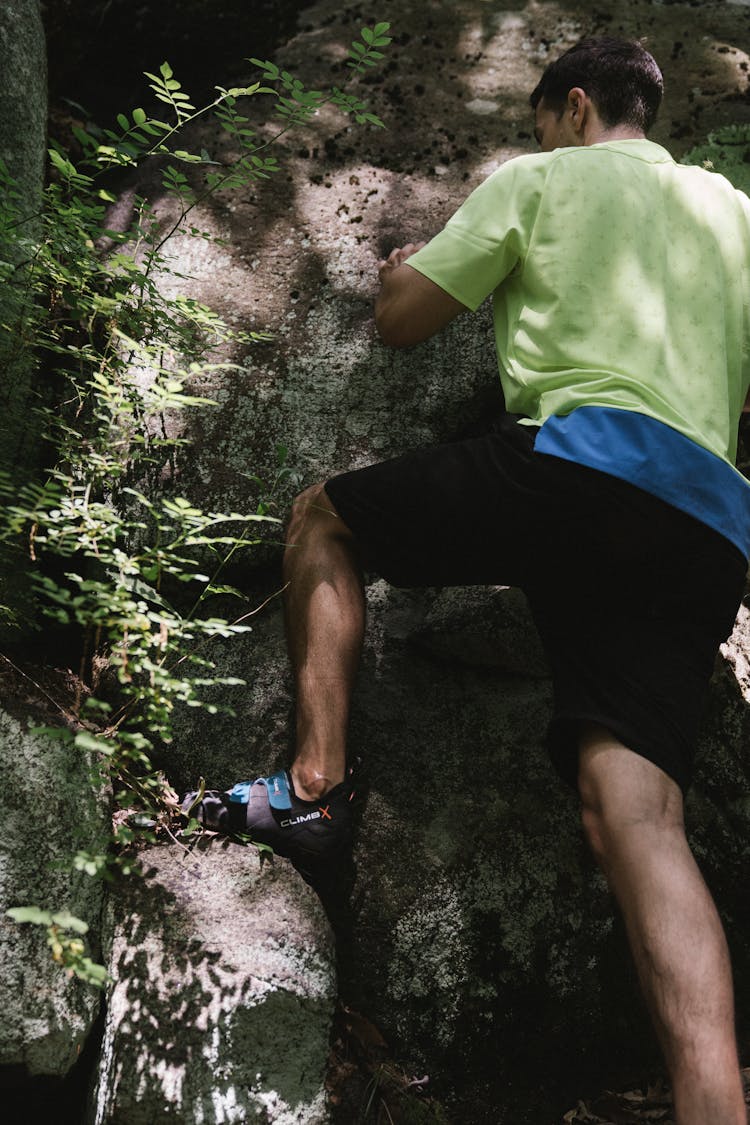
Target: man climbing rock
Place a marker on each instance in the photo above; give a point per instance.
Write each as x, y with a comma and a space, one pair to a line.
620, 285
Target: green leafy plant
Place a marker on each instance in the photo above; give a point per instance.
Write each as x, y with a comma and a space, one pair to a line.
727, 150
64, 937
141, 569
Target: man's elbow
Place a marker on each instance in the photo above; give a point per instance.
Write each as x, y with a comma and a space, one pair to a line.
396, 331
404, 318
393, 336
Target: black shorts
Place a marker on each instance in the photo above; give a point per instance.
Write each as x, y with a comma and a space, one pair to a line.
631, 596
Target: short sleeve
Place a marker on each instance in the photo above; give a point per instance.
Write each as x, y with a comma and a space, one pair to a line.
489, 234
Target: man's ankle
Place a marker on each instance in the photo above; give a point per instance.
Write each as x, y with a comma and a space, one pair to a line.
311, 784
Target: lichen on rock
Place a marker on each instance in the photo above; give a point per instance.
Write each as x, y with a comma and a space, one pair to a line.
223, 994
51, 808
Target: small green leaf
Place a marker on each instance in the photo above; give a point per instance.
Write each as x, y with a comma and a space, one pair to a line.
30, 914
60, 734
141, 820
85, 741
68, 921
83, 137
123, 122
200, 794
139, 116
166, 70
61, 163
87, 970
212, 589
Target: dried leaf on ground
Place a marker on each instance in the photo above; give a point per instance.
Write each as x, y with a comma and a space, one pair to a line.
366, 1086
633, 1107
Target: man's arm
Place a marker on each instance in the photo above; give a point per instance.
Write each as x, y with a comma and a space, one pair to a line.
409, 307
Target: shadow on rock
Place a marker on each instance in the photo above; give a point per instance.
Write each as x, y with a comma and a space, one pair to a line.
223, 994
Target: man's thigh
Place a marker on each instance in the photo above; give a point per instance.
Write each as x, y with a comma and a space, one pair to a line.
631, 616
454, 514
631, 597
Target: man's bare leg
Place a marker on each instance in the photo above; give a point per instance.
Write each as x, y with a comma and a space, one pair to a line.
632, 814
325, 618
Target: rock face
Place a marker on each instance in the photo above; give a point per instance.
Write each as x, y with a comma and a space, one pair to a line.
23, 94
223, 996
484, 942
23, 120
478, 920
23, 125
50, 810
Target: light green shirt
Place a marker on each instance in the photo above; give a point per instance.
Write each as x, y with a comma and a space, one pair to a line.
620, 279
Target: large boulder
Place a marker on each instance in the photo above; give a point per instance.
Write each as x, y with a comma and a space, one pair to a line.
482, 933
23, 130
23, 96
51, 808
23, 122
223, 994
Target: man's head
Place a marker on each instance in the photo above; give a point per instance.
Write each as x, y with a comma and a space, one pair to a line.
617, 77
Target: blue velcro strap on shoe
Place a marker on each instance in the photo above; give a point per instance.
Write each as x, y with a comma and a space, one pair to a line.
240, 794
278, 791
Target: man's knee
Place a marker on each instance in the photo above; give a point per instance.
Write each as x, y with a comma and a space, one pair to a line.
622, 794
312, 512
303, 508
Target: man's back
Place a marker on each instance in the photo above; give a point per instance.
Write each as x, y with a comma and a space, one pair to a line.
643, 290
621, 282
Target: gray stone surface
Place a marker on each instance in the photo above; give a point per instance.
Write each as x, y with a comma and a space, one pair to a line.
476, 912
23, 93
483, 939
490, 628
23, 131
223, 996
49, 809
23, 126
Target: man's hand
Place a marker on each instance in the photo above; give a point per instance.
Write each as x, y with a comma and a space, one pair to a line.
396, 257
410, 308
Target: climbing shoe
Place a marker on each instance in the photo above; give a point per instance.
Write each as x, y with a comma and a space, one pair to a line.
268, 810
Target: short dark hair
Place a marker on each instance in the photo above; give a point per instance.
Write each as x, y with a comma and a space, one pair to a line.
619, 75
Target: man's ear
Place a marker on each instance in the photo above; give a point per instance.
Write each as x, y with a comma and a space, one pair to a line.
578, 105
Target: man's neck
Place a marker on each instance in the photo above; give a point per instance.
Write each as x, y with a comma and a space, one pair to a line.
598, 134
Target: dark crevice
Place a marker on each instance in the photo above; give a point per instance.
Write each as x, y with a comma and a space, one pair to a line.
102, 47
38, 1099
